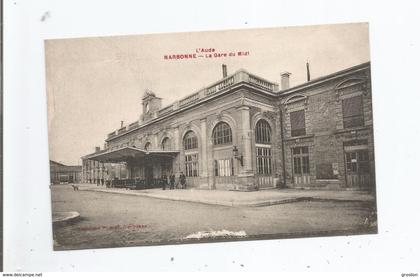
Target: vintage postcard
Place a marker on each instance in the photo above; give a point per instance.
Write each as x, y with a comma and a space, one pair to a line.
211, 136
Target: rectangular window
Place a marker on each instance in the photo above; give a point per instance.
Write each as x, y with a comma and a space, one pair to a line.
325, 171
297, 123
191, 165
353, 112
357, 162
223, 167
263, 161
300, 160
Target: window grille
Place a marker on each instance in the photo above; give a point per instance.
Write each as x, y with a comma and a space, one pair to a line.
300, 160
191, 165
263, 132
222, 134
190, 141
264, 166
297, 123
223, 167
353, 112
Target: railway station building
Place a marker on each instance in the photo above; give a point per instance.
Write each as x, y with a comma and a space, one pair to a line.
247, 133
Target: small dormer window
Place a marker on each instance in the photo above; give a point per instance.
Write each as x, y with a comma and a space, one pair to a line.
147, 107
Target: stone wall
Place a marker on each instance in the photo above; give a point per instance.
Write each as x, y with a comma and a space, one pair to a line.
242, 107
325, 133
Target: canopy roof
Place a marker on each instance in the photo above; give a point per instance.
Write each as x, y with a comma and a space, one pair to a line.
131, 153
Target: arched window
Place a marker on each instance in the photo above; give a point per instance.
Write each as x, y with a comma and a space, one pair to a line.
222, 134
263, 138
166, 144
191, 156
263, 132
147, 146
190, 141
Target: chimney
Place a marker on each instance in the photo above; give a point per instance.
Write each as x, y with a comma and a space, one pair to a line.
308, 72
285, 80
224, 69
97, 148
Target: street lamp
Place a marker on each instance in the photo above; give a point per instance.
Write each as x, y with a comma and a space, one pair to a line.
237, 156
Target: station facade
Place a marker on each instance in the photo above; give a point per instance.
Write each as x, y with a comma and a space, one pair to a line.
247, 133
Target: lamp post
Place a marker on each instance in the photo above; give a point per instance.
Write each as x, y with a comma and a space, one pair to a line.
237, 156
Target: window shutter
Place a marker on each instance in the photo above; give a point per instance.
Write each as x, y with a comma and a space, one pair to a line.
297, 122
353, 112
352, 106
297, 119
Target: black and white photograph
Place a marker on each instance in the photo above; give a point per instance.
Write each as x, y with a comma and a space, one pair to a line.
211, 136
186, 137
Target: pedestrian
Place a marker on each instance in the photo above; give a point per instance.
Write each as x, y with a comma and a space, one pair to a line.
107, 180
183, 180
172, 181
164, 181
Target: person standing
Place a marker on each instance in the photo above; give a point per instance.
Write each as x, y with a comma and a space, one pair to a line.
172, 181
183, 181
164, 181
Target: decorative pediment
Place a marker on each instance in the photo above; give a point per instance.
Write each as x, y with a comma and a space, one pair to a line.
296, 101
350, 86
350, 82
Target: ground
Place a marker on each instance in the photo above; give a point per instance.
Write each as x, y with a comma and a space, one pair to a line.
115, 220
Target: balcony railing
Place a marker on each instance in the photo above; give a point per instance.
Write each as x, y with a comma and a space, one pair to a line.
241, 76
133, 125
262, 83
166, 110
189, 99
237, 77
122, 130
225, 83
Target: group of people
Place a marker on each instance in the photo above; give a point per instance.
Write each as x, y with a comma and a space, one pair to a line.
182, 183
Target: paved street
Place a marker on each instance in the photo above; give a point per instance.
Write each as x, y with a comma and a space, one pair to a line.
112, 220
235, 198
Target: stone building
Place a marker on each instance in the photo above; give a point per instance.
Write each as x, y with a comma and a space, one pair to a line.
60, 173
244, 132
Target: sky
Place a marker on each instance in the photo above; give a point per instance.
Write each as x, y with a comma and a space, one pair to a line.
95, 83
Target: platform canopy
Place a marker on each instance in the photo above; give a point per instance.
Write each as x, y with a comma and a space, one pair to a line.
126, 154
